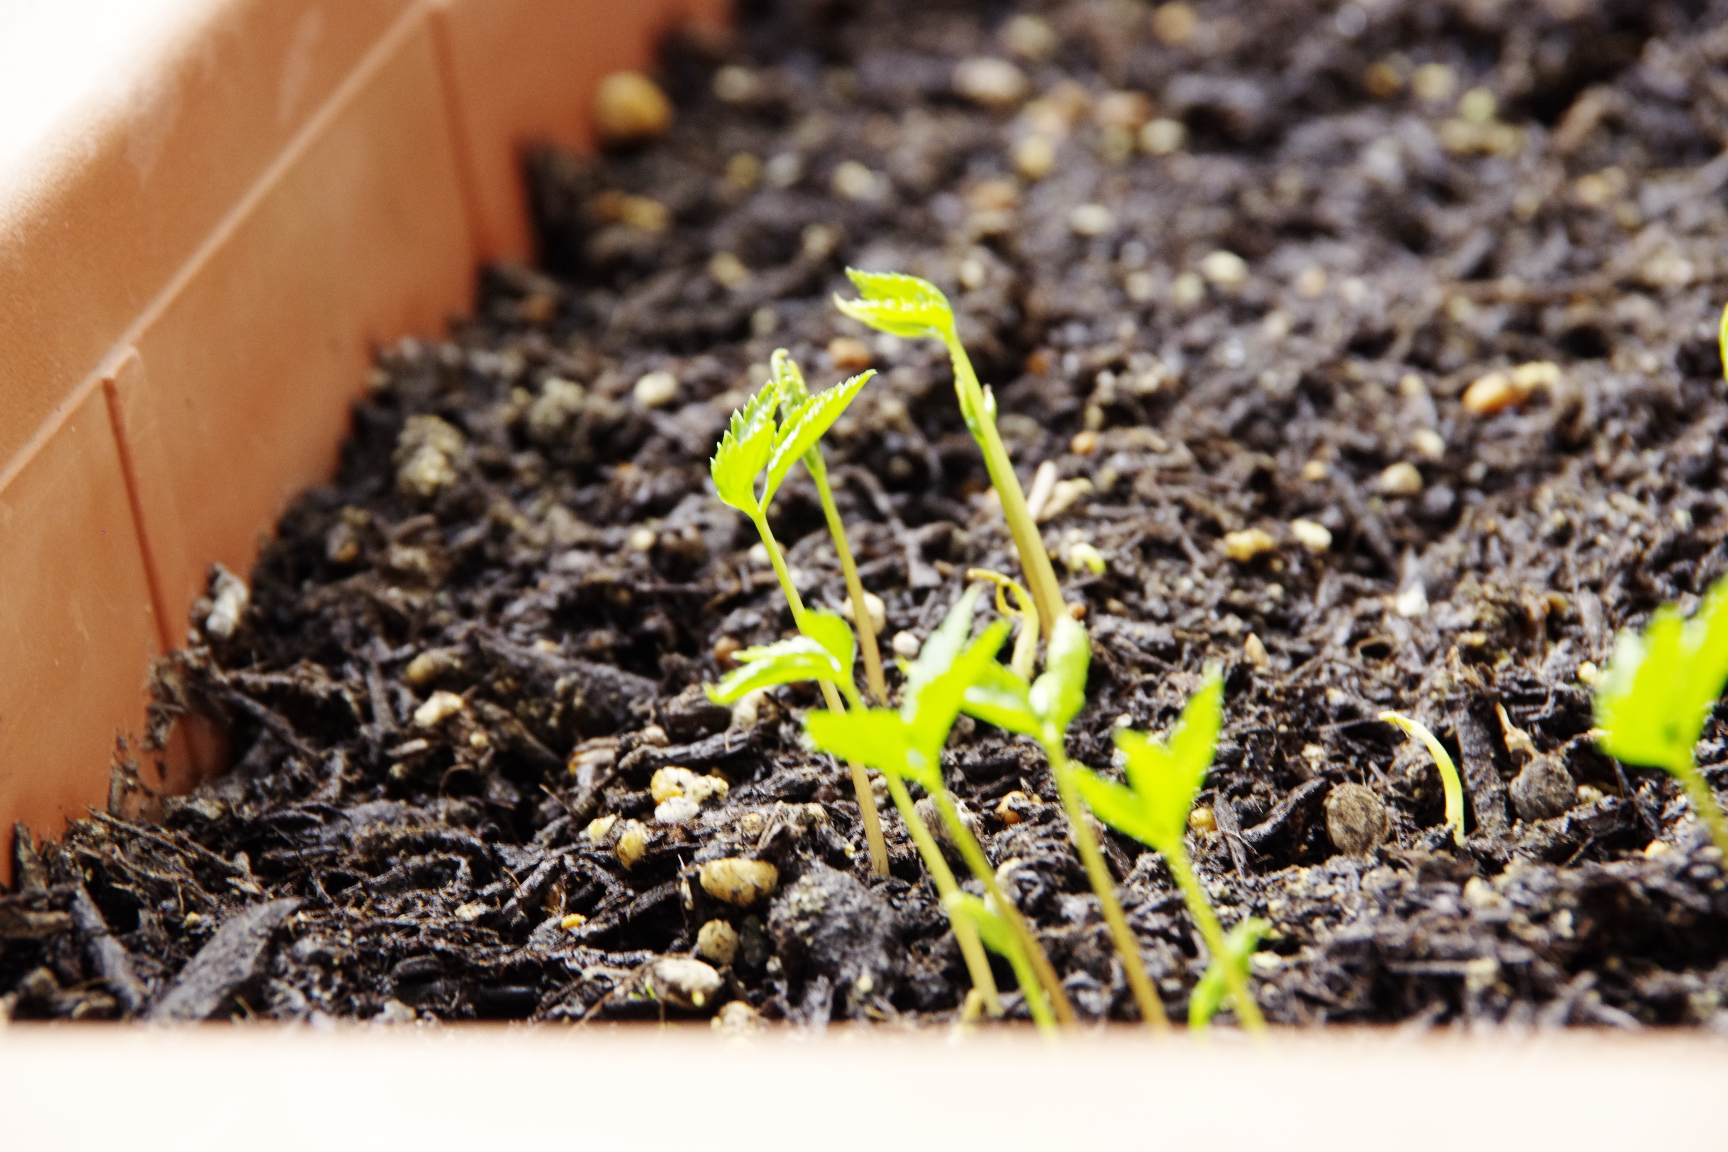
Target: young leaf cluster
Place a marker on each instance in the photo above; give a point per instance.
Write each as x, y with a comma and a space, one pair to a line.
762, 443
1659, 691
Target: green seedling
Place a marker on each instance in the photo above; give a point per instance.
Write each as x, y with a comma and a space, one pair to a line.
753, 458
1043, 709
905, 745
1449, 782
1213, 988
1163, 780
794, 395
804, 658
915, 309
1659, 691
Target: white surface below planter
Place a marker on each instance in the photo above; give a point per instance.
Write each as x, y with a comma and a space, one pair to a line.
638, 1088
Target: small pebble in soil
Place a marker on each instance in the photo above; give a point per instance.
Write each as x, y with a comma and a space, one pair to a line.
1589, 794
677, 810
439, 707
1175, 23
672, 782
1224, 269
1030, 38
1356, 819
905, 645
1429, 444
717, 942
737, 881
1203, 820
1311, 534
229, 604
736, 1018
425, 455
656, 389
684, 982
747, 709
1162, 136
850, 354
1543, 789
1245, 545
630, 108
432, 664
989, 81
1400, 479
1034, 157
599, 828
873, 605
632, 843
1016, 808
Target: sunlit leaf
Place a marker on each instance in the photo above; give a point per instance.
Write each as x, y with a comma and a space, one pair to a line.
786, 662
1119, 806
1164, 778
804, 424
943, 645
875, 737
744, 450
1661, 686
931, 711
785, 372
899, 305
830, 630
999, 696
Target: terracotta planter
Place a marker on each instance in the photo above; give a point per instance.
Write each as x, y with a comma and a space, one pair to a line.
211, 212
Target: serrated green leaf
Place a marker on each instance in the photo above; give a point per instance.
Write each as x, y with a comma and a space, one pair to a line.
899, 305
1060, 693
877, 738
1239, 944
1118, 806
1165, 777
744, 449
831, 631
999, 696
1661, 686
804, 424
785, 372
786, 662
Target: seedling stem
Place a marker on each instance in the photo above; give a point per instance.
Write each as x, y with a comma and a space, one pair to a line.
860, 780
1104, 885
1235, 978
1449, 782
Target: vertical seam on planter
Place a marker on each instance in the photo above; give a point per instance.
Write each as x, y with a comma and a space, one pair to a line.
134, 499
461, 139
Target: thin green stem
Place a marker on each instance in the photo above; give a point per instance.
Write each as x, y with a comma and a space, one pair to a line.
1703, 800
861, 620
831, 696
1235, 978
973, 853
1127, 945
1034, 560
948, 888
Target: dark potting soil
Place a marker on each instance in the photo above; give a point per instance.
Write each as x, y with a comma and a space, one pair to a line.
1258, 315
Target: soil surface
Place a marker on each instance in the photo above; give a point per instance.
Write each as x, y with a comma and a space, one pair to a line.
1234, 267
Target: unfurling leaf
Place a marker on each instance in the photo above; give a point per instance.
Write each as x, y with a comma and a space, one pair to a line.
899, 305
999, 696
785, 662
744, 450
1060, 693
804, 423
931, 711
832, 632
1661, 686
877, 738
1450, 785
788, 376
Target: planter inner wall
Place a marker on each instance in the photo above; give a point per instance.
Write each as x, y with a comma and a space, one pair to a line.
211, 213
